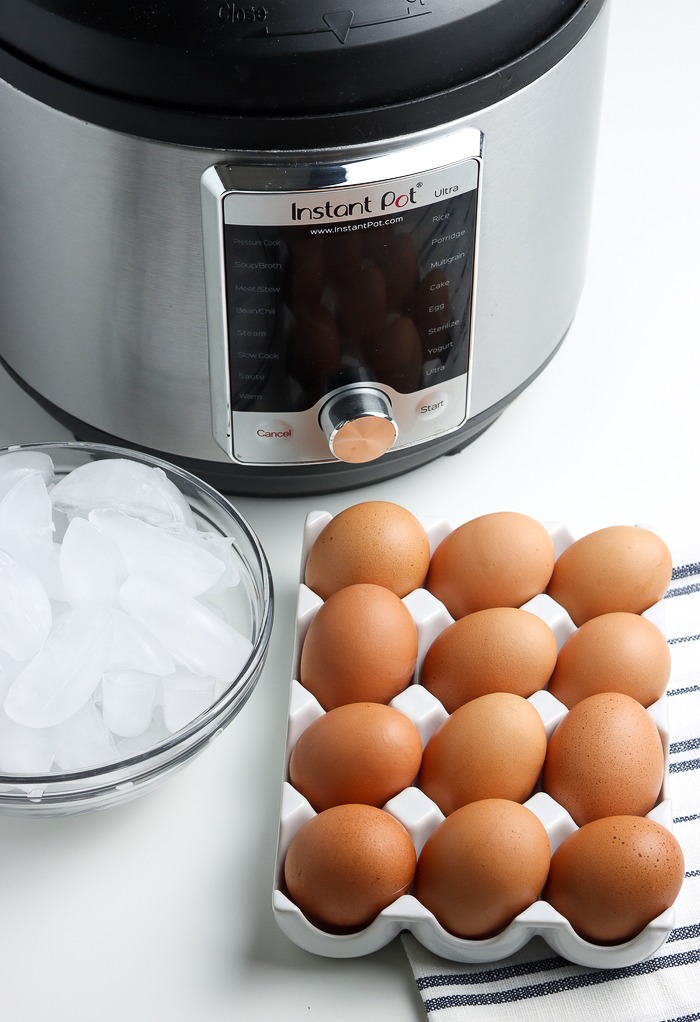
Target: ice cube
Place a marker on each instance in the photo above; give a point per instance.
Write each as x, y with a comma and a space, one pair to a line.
9, 669
156, 732
26, 509
134, 648
66, 670
128, 699
122, 485
193, 634
82, 741
27, 530
25, 611
146, 548
221, 547
185, 696
16, 464
23, 750
41, 557
92, 568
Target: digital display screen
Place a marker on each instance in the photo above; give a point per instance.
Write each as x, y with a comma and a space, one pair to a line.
319, 302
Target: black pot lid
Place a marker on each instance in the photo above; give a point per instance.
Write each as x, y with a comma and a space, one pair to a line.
281, 58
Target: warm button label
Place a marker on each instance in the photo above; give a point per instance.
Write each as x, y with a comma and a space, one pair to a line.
275, 429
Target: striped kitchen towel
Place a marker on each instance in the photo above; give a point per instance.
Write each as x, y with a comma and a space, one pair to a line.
537, 985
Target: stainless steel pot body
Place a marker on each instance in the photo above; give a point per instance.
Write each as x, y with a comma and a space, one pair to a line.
102, 292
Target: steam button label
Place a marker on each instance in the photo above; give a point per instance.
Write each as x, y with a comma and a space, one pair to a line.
432, 406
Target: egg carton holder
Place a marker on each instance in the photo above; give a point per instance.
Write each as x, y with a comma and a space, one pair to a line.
420, 815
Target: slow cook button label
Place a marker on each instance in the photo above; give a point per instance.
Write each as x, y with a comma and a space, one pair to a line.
274, 430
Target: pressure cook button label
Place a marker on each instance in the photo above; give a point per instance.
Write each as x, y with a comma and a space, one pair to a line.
274, 430
433, 405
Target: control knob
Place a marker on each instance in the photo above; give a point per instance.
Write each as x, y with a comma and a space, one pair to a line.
358, 424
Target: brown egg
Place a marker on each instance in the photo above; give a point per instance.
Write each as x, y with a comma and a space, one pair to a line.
621, 568
342, 258
347, 864
315, 348
397, 359
613, 876
618, 652
497, 560
400, 264
360, 647
362, 752
492, 747
362, 306
482, 866
605, 758
502, 649
375, 541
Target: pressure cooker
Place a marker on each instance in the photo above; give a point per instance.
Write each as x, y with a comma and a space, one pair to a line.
294, 247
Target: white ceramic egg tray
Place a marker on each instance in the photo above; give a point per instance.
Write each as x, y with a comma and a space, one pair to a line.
420, 815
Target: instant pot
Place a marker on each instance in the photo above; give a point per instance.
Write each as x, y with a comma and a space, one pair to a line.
292, 246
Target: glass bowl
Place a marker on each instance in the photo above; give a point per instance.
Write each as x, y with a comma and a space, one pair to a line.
249, 604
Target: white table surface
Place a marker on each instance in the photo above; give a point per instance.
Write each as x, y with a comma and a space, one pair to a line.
160, 909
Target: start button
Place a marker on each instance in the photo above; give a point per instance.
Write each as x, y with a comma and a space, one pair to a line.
274, 430
433, 405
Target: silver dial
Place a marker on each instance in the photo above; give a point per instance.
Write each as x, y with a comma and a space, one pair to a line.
359, 424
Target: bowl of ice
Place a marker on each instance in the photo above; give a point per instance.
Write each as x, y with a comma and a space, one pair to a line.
135, 614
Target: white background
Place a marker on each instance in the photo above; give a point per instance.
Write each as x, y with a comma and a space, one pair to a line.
160, 909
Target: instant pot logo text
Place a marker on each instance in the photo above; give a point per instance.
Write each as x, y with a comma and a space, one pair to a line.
388, 202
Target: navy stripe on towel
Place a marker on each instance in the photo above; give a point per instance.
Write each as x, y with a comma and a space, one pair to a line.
685, 570
694, 587
585, 979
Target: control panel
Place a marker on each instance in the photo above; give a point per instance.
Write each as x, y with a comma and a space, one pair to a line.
340, 301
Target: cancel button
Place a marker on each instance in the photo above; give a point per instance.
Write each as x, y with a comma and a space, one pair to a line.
274, 429
433, 405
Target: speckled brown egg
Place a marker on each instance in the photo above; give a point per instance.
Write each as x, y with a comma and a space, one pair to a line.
618, 652
491, 747
377, 542
360, 647
620, 568
347, 864
502, 649
482, 866
613, 876
362, 752
498, 560
605, 758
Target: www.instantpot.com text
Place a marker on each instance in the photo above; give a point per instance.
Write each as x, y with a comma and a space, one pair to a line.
362, 226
